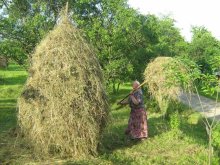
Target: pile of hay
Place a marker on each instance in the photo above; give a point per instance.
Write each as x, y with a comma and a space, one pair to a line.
63, 107
159, 76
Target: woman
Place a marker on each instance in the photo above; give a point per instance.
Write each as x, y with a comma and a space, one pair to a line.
137, 124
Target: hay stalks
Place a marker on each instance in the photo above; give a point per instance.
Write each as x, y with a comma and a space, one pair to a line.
63, 107
159, 76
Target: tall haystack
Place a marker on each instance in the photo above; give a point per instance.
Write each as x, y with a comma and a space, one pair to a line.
63, 107
159, 76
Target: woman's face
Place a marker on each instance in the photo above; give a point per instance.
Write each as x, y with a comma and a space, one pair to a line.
134, 85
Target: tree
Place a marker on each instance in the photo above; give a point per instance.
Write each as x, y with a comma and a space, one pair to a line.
203, 47
210, 85
159, 37
124, 40
171, 43
21, 28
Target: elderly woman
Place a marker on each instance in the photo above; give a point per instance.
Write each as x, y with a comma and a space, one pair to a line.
137, 124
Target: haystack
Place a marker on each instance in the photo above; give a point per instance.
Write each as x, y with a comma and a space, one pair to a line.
63, 107
159, 76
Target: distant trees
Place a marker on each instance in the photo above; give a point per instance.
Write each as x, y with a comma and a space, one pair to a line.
124, 40
204, 48
171, 43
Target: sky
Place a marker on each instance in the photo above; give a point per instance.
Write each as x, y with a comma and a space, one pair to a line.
186, 13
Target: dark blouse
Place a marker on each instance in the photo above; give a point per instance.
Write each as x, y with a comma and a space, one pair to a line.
139, 96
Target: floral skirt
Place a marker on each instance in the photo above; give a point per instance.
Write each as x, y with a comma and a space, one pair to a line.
137, 124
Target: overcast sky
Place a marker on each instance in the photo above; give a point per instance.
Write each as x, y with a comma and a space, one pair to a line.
185, 12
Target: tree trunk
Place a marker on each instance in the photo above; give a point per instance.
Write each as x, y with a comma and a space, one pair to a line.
118, 87
114, 87
210, 146
3, 62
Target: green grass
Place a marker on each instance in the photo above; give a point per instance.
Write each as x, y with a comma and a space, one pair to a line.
187, 145
12, 81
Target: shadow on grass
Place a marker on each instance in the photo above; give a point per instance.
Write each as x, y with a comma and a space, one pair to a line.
157, 126
196, 132
7, 114
7, 102
13, 80
115, 138
13, 67
191, 124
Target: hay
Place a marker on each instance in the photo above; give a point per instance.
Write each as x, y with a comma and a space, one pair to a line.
63, 108
159, 76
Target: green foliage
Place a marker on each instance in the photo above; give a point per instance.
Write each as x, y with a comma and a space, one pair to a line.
124, 39
171, 43
19, 35
192, 77
175, 121
152, 105
209, 84
203, 47
216, 139
214, 62
185, 74
13, 50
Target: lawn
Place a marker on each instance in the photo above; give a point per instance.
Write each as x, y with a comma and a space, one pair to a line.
186, 144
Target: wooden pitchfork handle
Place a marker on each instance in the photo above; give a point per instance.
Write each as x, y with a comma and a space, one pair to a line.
132, 91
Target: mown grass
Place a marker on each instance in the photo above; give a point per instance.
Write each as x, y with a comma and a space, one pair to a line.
185, 145
12, 80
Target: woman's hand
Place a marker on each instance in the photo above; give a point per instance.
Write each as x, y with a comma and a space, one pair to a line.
131, 93
134, 100
123, 102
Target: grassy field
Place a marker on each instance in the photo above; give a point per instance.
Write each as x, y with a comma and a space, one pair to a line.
186, 144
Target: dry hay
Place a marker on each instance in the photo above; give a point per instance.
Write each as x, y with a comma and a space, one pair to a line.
159, 76
63, 108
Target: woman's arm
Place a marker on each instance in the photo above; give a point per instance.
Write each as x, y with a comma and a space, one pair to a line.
136, 101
